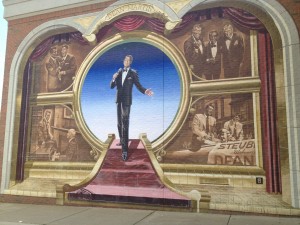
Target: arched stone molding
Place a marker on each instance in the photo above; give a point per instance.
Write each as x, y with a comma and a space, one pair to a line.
18, 64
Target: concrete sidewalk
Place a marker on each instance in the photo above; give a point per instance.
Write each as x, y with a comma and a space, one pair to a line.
26, 214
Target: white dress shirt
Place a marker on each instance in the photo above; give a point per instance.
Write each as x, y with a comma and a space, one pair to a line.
124, 74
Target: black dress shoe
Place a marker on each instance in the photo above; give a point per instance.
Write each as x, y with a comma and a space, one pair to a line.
124, 156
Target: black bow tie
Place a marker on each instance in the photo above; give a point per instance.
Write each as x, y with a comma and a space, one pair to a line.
228, 38
212, 46
125, 70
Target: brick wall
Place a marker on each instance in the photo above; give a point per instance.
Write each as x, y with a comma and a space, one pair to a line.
18, 29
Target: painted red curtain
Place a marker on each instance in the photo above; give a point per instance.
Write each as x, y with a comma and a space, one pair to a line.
271, 157
23, 131
129, 23
243, 18
271, 154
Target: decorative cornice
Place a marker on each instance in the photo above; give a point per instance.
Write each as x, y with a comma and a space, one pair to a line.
85, 21
155, 9
176, 6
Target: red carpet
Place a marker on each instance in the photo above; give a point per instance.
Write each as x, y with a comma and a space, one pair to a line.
131, 181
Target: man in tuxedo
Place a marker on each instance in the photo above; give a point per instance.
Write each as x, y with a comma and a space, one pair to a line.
233, 51
194, 51
124, 80
213, 57
67, 68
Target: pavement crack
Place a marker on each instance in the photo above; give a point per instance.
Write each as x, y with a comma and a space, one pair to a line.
144, 218
229, 219
67, 216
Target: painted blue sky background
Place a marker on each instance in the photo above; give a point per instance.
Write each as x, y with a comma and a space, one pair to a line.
151, 115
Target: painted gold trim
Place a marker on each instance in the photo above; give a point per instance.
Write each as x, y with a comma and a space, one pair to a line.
55, 165
61, 190
212, 169
176, 6
91, 38
254, 53
194, 195
257, 129
85, 22
52, 98
236, 85
136, 36
256, 99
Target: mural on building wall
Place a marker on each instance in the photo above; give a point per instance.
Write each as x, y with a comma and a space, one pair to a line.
214, 49
218, 131
55, 136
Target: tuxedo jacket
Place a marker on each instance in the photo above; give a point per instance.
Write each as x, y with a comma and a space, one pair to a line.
234, 54
124, 91
194, 58
72, 150
69, 67
213, 68
52, 66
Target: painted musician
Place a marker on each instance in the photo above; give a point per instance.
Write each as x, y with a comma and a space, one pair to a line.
124, 80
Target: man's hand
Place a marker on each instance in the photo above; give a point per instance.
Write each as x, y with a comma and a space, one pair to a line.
149, 92
115, 76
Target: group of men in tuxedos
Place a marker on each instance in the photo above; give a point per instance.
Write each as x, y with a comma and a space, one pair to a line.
205, 59
124, 80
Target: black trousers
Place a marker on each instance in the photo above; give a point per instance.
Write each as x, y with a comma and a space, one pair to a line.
123, 124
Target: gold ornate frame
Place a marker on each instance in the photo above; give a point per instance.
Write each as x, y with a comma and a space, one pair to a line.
136, 36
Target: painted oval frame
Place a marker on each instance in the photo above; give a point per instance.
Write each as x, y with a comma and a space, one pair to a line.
155, 40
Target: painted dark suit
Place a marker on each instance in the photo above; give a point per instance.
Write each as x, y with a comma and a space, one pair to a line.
52, 67
124, 101
72, 150
233, 53
67, 65
194, 53
213, 61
